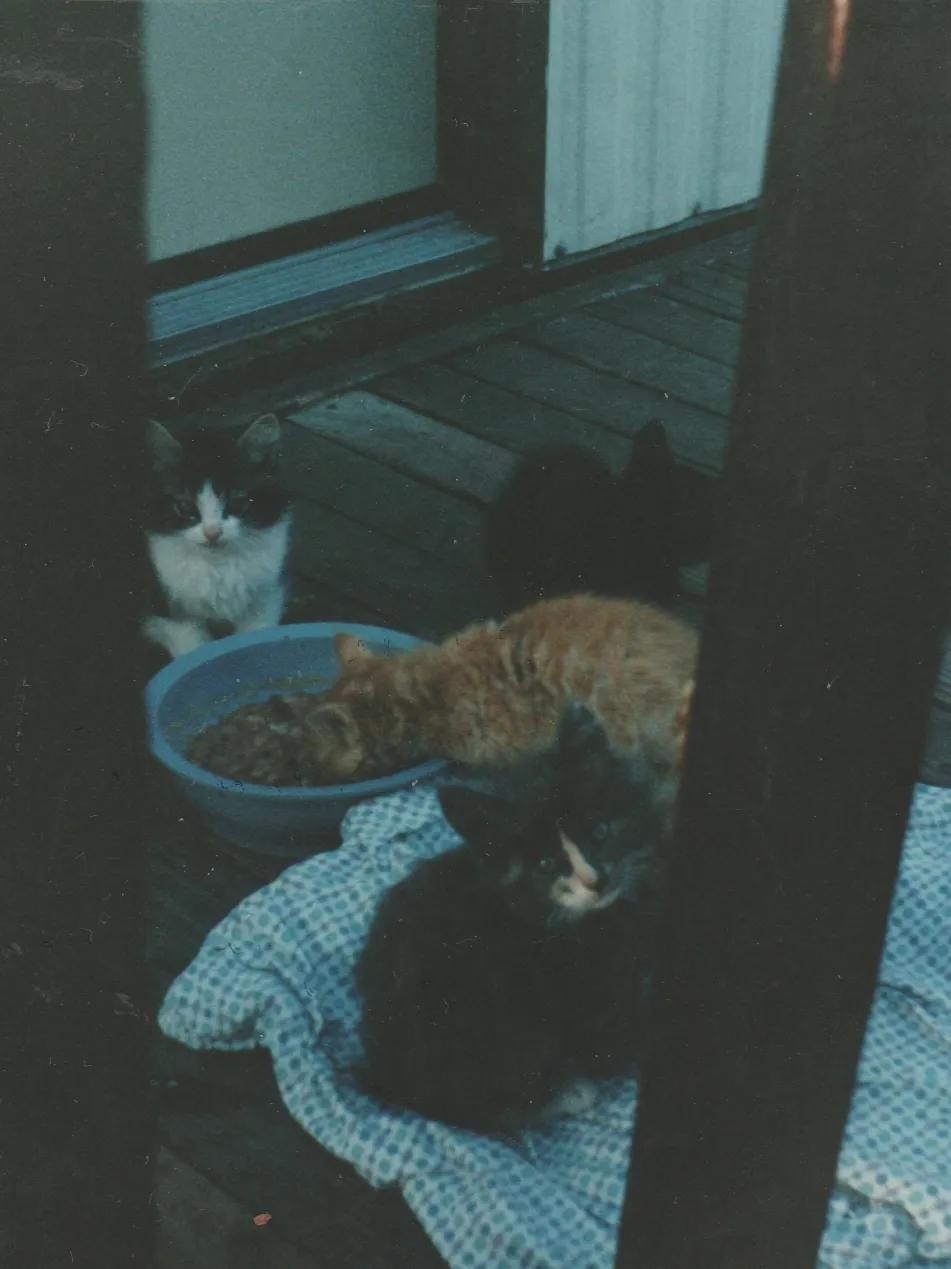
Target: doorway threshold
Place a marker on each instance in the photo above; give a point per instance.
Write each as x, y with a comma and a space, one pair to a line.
210, 314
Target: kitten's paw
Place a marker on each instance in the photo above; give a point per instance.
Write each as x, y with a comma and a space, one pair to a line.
176, 637
257, 623
152, 630
265, 616
575, 1099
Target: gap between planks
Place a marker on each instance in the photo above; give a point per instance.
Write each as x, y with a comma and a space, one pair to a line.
715, 293
684, 376
395, 504
673, 322
412, 443
697, 437
426, 597
502, 417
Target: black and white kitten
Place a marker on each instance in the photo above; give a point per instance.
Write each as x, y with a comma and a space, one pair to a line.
217, 525
501, 978
563, 524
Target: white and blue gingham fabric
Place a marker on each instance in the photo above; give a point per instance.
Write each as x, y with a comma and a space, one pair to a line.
277, 973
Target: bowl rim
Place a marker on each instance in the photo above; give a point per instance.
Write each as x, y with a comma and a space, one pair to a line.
161, 683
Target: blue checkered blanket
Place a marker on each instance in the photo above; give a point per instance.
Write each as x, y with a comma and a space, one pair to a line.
277, 973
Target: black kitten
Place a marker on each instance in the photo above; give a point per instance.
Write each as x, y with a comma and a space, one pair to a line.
563, 524
217, 519
500, 978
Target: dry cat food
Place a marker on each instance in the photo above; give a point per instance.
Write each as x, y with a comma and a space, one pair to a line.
262, 743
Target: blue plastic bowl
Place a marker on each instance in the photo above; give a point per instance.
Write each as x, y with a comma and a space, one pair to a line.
199, 688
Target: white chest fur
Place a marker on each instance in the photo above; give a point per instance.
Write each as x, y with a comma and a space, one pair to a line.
238, 581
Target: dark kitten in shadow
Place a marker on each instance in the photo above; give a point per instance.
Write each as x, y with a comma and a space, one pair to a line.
501, 978
563, 524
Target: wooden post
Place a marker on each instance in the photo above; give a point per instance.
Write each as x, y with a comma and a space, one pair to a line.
75, 1169
492, 116
819, 655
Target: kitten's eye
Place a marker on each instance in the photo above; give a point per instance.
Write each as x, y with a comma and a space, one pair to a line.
239, 503
186, 508
547, 865
601, 832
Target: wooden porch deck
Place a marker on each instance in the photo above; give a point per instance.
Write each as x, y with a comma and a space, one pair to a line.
392, 476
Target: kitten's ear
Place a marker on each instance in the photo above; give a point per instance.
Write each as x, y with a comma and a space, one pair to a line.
651, 441
680, 723
258, 443
581, 736
164, 450
650, 453
478, 817
351, 651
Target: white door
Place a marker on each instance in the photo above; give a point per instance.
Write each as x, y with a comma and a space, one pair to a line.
657, 110
265, 113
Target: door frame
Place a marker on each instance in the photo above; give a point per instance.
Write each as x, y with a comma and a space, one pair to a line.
492, 119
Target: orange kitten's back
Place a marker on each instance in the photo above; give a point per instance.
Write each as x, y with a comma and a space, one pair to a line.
630, 662
494, 692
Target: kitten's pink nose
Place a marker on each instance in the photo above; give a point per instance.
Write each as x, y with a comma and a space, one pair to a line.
212, 532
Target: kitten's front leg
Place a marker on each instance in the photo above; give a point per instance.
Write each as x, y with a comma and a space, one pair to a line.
176, 637
266, 611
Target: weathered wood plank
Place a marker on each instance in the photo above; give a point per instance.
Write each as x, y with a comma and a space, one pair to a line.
504, 418
639, 358
719, 285
410, 442
731, 268
194, 880
737, 252
424, 596
717, 305
313, 601
366, 491
675, 323
259, 1155
696, 437
224, 1114
199, 1226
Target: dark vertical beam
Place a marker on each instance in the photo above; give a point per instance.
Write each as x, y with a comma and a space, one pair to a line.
492, 118
819, 654
74, 1167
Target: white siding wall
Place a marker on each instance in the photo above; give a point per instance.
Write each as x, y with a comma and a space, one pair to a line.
267, 112
657, 109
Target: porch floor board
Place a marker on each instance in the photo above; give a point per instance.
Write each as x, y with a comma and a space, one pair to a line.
392, 476
679, 324
697, 437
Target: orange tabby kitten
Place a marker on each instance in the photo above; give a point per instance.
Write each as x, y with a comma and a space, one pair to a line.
496, 691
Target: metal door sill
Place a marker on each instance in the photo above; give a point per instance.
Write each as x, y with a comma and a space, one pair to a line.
268, 297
